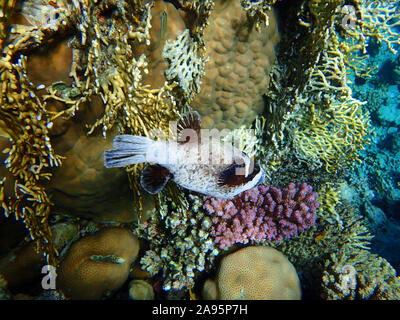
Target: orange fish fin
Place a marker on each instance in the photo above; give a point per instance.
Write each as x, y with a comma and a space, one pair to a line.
189, 128
154, 178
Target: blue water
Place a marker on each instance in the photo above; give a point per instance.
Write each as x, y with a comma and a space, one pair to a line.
377, 178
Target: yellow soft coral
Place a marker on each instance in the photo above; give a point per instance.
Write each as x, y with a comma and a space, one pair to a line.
333, 126
30, 156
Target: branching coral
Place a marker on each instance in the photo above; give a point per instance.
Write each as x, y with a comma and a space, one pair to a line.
258, 10
180, 244
376, 19
104, 63
309, 252
335, 127
359, 275
333, 136
330, 127
310, 106
31, 154
262, 214
329, 198
364, 23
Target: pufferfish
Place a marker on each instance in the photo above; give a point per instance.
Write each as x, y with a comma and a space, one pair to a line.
194, 162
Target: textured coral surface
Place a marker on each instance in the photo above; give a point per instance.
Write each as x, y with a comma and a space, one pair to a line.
236, 74
257, 273
262, 213
82, 276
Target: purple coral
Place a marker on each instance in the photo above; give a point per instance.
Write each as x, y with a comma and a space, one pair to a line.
263, 213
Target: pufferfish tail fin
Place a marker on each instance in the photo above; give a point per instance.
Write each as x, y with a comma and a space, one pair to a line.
128, 149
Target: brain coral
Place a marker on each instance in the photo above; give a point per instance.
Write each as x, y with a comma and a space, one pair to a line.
255, 273
93, 266
236, 74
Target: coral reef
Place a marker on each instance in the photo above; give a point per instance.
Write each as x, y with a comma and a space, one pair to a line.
320, 253
359, 275
255, 273
334, 128
377, 20
76, 73
28, 114
262, 214
23, 264
97, 265
239, 60
26, 123
180, 244
187, 69
311, 115
236, 75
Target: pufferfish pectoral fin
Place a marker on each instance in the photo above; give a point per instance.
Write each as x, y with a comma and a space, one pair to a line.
188, 127
154, 178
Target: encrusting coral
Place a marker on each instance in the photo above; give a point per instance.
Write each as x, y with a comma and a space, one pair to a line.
254, 273
262, 214
97, 265
237, 73
239, 61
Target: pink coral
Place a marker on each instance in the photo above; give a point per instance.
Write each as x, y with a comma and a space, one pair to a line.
263, 213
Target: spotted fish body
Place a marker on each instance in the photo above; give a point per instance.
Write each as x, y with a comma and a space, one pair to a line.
213, 169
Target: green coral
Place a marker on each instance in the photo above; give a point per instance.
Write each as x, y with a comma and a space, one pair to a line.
372, 277
180, 243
